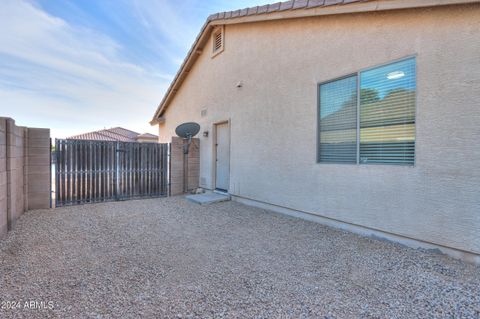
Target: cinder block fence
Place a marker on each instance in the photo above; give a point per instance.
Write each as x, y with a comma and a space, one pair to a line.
177, 165
24, 171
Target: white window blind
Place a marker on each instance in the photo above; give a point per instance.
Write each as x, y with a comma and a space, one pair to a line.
338, 121
387, 114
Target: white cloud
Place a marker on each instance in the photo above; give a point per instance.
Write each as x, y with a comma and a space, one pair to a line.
70, 78
168, 18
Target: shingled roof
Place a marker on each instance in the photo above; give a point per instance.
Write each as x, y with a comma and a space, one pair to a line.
279, 6
147, 135
117, 134
284, 10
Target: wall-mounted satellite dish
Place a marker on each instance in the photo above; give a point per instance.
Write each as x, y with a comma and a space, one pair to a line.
187, 131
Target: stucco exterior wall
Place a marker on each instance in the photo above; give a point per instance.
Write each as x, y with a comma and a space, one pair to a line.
274, 126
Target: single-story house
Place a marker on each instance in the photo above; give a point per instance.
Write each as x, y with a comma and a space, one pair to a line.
363, 115
116, 134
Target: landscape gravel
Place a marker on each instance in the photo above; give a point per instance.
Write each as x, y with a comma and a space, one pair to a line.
170, 258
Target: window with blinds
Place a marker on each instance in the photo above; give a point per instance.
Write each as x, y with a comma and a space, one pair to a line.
338, 121
387, 114
372, 122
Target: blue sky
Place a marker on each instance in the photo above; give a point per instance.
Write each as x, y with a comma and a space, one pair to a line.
77, 66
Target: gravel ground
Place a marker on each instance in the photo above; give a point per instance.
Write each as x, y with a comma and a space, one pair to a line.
172, 258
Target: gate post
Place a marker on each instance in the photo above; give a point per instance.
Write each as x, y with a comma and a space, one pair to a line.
178, 166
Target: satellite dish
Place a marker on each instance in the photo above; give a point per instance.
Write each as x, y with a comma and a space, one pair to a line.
187, 130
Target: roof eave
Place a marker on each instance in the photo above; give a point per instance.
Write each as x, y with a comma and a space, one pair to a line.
217, 19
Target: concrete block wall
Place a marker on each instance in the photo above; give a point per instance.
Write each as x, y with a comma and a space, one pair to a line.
24, 171
38, 163
16, 186
177, 165
3, 178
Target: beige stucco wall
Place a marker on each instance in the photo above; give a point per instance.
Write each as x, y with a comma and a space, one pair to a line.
273, 119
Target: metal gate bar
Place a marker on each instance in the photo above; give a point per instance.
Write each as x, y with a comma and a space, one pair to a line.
99, 171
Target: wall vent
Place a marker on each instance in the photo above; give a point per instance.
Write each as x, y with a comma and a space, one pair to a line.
218, 38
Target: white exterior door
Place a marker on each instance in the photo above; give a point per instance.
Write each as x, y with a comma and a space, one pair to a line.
222, 161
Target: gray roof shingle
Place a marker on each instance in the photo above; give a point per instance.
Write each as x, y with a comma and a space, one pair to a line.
118, 134
279, 6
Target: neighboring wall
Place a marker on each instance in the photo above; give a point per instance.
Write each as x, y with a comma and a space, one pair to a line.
24, 171
3, 178
38, 168
273, 119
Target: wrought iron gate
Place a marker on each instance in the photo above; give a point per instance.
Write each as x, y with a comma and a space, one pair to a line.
98, 171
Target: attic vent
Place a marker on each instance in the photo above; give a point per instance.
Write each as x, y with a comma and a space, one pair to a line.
217, 41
